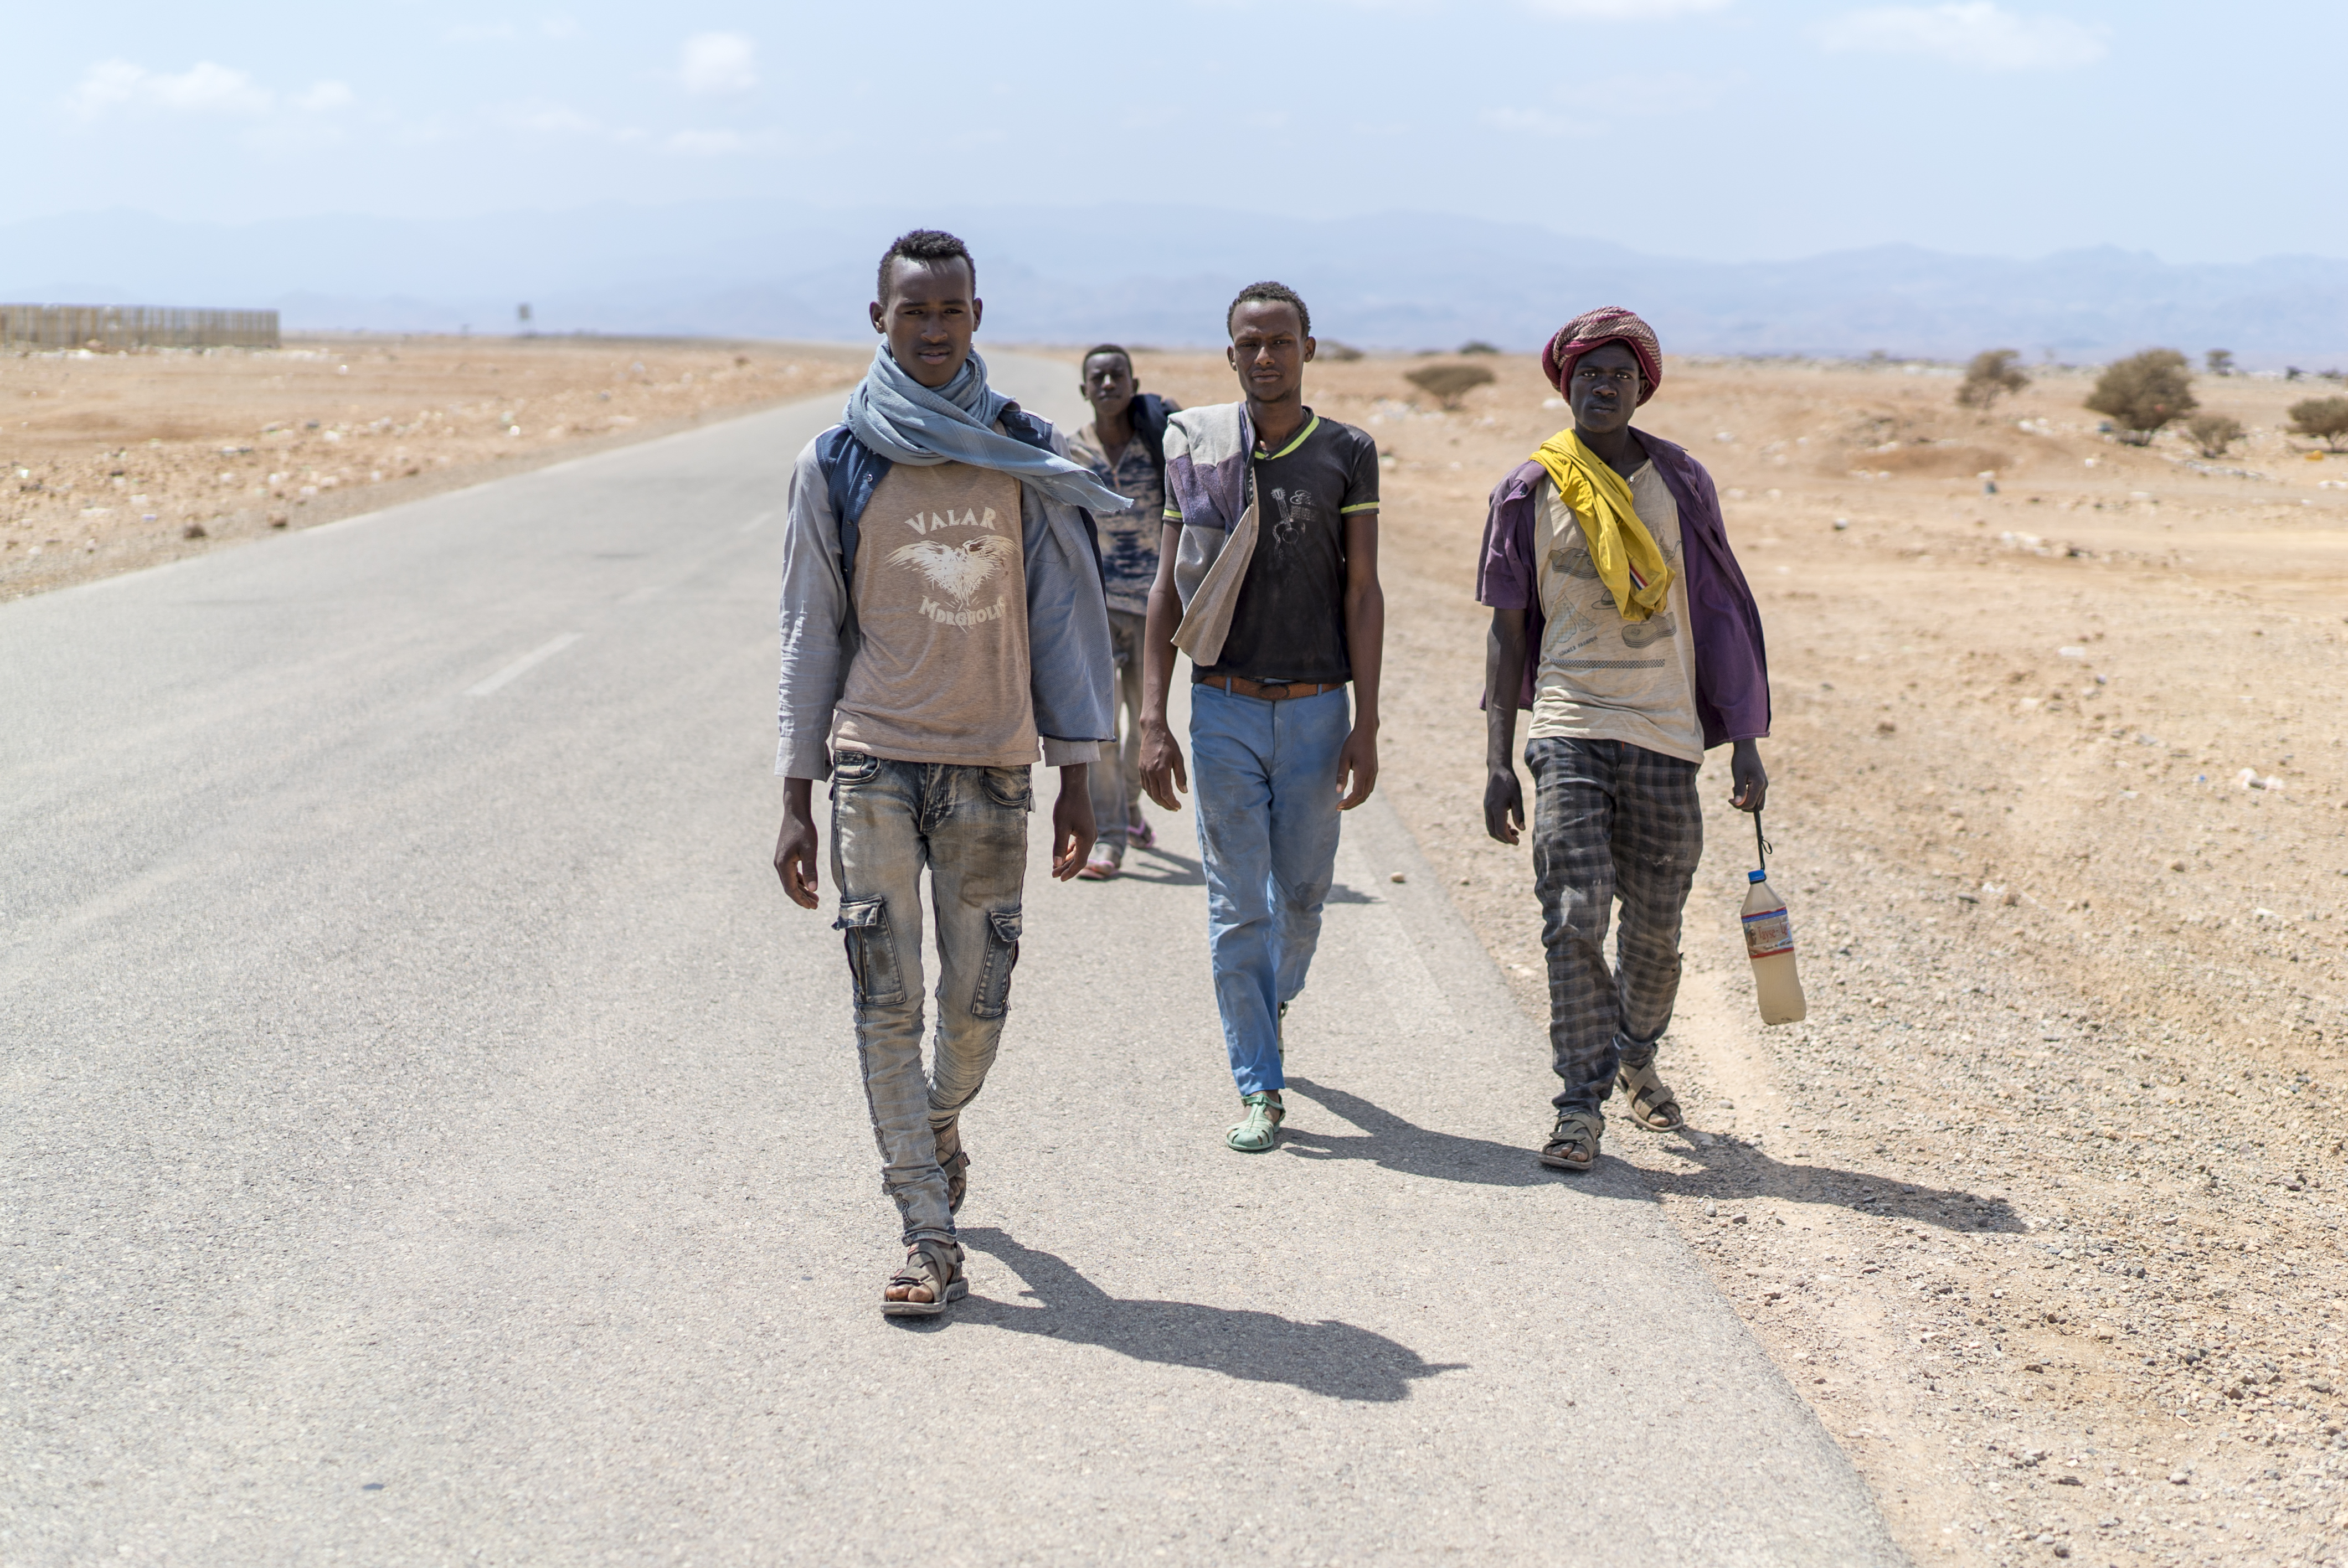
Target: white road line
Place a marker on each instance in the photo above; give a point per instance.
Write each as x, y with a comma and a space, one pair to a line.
753, 524
523, 665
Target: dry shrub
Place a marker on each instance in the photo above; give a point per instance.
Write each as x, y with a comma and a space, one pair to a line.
1992, 374
1448, 384
2321, 416
2211, 433
1330, 348
2143, 393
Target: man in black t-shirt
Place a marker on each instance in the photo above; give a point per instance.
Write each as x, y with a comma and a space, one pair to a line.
1268, 576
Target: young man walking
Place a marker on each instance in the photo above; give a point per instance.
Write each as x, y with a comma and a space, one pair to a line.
942, 618
1268, 579
1125, 447
1620, 618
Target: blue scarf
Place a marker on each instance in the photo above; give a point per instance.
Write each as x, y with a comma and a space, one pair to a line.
905, 421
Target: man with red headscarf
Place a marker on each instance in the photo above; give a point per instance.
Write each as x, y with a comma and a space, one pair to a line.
1621, 620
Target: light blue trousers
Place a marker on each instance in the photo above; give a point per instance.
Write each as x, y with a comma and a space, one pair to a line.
1266, 776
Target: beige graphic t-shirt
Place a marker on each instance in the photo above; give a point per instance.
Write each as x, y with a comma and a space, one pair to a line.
941, 673
1603, 677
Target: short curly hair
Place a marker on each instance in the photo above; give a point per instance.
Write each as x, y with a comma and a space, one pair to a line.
923, 245
1270, 293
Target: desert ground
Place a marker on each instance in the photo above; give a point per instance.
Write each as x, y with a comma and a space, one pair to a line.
2040, 1208
114, 461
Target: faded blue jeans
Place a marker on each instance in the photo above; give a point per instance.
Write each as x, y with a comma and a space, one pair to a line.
969, 826
1266, 773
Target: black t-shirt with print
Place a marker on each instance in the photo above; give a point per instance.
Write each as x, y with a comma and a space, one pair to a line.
1290, 621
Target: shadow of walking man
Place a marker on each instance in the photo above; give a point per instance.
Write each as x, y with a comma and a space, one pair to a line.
1728, 1167
1405, 1146
1330, 1359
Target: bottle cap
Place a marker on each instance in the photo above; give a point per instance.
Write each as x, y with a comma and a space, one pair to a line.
1756, 876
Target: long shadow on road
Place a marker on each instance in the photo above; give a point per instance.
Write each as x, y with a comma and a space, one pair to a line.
1398, 1145
1333, 1359
1727, 1167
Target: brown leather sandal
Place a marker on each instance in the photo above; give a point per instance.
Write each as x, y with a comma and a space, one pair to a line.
1652, 1104
1573, 1143
932, 1268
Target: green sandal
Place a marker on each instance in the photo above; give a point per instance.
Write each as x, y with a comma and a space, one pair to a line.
1261, 1127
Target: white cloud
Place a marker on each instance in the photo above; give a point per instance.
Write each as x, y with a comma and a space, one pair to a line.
553, 119
718, 62
1624, 10
324, 95
203, 89
722, 143
1976, 33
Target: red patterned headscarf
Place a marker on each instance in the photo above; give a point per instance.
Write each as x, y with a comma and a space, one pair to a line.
1611, 324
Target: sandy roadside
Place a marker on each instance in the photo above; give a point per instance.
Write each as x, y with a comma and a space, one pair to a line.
109, 462
2040, 1208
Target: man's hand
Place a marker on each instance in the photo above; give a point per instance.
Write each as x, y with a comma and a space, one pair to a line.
1749, 780
1162, 764
1504, 805
1358, 761
794, 846
1072, 829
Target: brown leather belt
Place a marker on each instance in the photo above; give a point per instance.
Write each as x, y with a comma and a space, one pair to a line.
1271, 691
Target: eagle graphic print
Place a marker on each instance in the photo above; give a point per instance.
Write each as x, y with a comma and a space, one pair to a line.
960, 569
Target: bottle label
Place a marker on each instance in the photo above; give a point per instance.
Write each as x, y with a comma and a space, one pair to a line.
1767, 934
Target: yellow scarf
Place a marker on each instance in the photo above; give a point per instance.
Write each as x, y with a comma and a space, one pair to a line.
1621, 548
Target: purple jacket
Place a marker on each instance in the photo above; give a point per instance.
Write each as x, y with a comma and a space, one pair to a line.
1732, 667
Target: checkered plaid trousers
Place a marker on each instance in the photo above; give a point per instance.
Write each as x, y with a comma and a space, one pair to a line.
1610, 820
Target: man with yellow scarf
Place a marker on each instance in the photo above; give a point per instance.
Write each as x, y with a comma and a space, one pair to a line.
1621, 620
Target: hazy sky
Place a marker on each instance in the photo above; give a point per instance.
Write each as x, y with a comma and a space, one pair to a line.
1716, 129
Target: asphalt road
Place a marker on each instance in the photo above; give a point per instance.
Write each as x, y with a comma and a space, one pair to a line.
428, 1135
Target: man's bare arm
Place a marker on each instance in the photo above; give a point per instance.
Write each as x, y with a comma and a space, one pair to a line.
1504, 673
1366, 642
1161, 756
1748, 780
795, 846
1072, 829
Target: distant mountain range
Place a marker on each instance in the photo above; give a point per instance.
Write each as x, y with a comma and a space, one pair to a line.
1161, 275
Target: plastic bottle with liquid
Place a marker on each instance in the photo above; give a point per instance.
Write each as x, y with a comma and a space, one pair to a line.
1769, 943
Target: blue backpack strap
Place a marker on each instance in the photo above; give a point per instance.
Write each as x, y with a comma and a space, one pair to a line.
1149, 414
1022, 426
851, 472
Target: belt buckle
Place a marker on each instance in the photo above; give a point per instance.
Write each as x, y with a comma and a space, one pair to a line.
1268, 689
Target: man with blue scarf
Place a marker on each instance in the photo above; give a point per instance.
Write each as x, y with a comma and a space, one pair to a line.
942, 620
